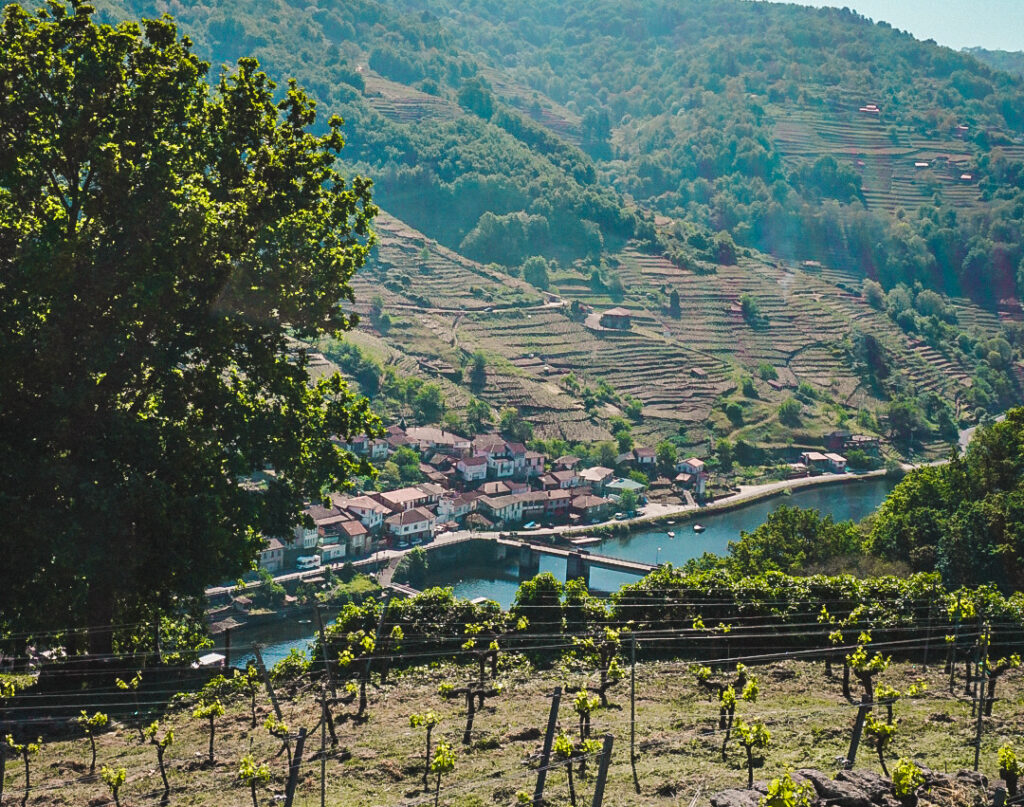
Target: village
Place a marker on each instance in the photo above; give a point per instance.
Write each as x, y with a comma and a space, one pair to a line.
489, 483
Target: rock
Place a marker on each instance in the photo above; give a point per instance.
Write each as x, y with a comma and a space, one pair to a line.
838, 793
734, 797
972, 779
875, 786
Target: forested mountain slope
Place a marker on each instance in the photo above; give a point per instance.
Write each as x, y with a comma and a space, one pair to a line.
645, 154
1009, 61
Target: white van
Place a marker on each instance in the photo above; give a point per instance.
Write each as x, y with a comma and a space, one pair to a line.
306, 562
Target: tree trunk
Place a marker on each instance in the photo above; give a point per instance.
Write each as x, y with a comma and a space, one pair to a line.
252, 707
211, 740
437, 789
750, 767
881, 761
846, 682
92, 763
252, 789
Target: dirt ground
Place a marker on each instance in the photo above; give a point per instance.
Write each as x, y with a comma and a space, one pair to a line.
380, 761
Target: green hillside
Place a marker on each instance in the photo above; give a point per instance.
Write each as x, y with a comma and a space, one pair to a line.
646, 148
1009, 61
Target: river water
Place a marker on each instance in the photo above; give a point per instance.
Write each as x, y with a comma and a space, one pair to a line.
849, 501
844, 502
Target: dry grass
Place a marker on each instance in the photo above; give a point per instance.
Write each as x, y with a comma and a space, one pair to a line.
379, 762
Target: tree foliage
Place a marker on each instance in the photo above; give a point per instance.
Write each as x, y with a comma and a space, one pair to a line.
157, 237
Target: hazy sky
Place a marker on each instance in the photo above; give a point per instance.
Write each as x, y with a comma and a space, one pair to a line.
993, 24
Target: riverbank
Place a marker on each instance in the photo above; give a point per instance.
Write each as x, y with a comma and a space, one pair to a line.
656, 513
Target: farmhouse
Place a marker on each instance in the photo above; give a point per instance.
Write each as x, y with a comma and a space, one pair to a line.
617, 318
597, 477
836, 463
398, 501
272, 555
413, 524
619, 486
370, 511
815, 460
690, 466
472, 469
590, 507
863, 442
427, 437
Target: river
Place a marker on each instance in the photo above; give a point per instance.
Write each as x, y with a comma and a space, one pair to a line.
848, 501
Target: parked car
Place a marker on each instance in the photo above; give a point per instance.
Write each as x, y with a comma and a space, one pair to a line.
306, 562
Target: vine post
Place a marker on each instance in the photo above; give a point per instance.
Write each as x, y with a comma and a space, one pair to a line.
549, 738
632, 711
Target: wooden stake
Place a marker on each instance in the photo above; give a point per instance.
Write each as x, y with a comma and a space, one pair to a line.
632, 712
323, 648
858, 728
549, 739
980, 674
293, 772
266, 681
602, 771
323, 742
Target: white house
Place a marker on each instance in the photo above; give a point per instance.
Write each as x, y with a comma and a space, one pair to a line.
507, 509
836, 462
597, 477
411, 524
691, 466
369, 511
500, 467
456, 508
272, 556
472, 469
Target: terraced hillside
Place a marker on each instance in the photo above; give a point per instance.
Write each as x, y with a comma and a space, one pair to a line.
899, 168
445, 308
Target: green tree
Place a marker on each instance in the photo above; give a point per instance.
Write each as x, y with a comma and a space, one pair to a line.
514, 426
535, 272
429, 403
794, 541
789, 411
629, 501
478, 415
666, 455
157, 236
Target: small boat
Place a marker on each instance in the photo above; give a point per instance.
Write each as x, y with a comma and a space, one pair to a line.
699, 528
670, 534
670, 523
